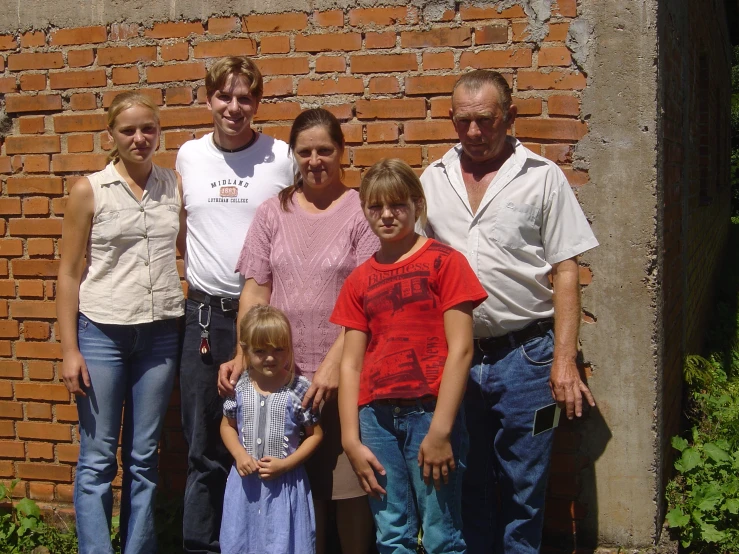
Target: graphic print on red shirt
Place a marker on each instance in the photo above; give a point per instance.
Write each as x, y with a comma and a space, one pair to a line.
401, 306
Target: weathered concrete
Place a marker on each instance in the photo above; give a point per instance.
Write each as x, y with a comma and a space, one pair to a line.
620, 150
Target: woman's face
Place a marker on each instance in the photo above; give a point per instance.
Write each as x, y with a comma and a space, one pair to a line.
318, 158
136, 134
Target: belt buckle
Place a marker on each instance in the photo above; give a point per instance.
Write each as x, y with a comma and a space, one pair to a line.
225, 301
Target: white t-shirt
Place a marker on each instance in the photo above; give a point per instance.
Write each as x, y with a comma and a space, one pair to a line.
528, 220
221, 193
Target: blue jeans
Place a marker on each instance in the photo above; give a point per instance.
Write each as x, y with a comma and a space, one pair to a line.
394, 435
507, 467
131, 365
208, 460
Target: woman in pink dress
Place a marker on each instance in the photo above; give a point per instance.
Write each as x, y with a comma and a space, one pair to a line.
299, 250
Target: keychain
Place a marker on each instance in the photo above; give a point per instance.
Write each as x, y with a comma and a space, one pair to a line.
204, 342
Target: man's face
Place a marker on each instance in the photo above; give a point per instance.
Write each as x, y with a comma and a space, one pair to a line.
233, 108
480, 122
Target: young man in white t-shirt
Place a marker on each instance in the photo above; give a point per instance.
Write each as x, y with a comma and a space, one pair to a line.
226, 175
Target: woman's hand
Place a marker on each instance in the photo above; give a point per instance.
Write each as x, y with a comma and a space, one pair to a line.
365, 464
245, 464
325, 384
436, 458
270, 468
228, 376
74, 368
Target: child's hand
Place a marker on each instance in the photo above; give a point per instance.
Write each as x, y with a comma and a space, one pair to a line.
270, 467
365, 464
436, 458
246, 465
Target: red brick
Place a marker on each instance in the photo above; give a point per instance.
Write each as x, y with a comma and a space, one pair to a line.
4, 303
551, 129
37, 330
33, 39
38, 205
7, 290
8, 85
333, 18
6, 390
11, 247
31, 289
378, 16
37, 268
10, 369
40, 103
559, 153
66, 413
382, 132
44, 472
279, 44
154, 94
563, 105
276, 22
58, 205
340, 85
383, 63
558, 55
64, 493
496, 58
40, 350
293, 65
37, 391
12, 449
70, 123
43, 431
554, 80
280, 86
430, 84
557, 32
80, 143
34, 185
64, 163
40, 60
222, 48
352, 133
520, 32
402, 108
328, 64
126, 55
33, 81
125, 75
384, 85
329, 42
528, 106
491, 34
165, 159
33, 309
9, 409
6, 167
468, 12
444, 36
68, 452
84, 100
175, 139
36, 410
566, 8
365, 156
576, 178
179, 96
174, 30
80, 58
35, 163
281, 111
380, 40
222, 25
185, 117
41, 491
9, 329
32, 145
438, 60
35, 227
342, 112
179, 51
10, 206
176, 72
78, 35
8, 42
6, 470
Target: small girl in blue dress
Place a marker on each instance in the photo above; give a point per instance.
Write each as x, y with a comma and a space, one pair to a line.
267, 507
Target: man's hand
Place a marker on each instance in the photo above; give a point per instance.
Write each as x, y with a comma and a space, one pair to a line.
228, 376
365, 464
74, 368
324, 386
246, 465
436, 458
270, 468
567, 387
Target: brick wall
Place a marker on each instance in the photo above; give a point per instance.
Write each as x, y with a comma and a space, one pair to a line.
385, 72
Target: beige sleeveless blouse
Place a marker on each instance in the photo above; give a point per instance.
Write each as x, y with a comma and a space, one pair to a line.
131, 275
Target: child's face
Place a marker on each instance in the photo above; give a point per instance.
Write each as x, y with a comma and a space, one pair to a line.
391, 221
268, 360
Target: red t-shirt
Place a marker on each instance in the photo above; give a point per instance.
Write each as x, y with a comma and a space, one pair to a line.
401, 306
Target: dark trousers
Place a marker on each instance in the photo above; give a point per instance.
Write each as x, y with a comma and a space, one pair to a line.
202, 409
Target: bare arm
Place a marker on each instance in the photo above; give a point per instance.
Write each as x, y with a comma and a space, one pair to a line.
363, 461
435, 454
245, 464
252, 294
182, 234
326, 379
565, 382
270, 467
75, 234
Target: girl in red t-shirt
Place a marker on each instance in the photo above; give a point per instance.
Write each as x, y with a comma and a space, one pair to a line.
407, 351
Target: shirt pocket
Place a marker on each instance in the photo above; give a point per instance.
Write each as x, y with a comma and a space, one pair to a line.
106, 227
515, 225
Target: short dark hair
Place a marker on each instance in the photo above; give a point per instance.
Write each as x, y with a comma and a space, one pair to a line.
475, 80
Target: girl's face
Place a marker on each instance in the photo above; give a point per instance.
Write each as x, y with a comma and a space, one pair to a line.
318, 158
391, 221
136, 134
268, 360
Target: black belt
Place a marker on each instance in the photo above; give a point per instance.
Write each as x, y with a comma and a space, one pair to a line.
516, 338
222, 303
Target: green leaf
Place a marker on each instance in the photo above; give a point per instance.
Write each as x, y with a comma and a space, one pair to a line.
732, 506
28, 507
690, 459
708, 496
679, 443
709, 533
716, 453
676, 518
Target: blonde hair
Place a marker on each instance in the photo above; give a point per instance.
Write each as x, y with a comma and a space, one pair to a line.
121, 103
238, 66
392, 180
264, 326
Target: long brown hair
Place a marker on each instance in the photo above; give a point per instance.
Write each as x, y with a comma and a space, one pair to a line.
316, 117
120, 104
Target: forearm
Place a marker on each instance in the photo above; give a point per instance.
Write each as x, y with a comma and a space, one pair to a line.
67, 311
348, 405
230, 437
451, 390
334, 353
566, 298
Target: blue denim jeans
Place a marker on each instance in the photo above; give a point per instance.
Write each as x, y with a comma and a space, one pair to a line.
132, 366
394, 435
208, 460
507, 467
